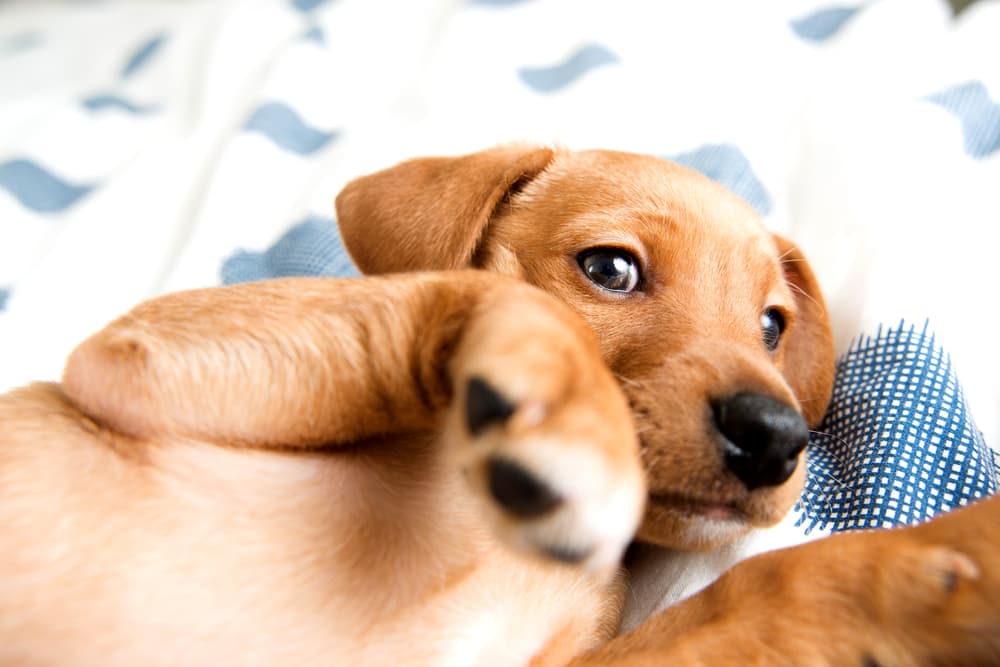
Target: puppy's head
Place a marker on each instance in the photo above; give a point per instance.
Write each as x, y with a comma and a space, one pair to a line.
715, 328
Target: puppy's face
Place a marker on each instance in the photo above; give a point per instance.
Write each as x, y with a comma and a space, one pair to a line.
714, 327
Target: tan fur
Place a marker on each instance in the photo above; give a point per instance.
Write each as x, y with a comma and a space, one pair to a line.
692, 335
281, 472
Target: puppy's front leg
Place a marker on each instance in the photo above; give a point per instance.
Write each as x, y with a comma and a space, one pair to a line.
925, 595
295, 363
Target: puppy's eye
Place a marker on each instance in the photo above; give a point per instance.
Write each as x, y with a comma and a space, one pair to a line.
610, 268
772, 324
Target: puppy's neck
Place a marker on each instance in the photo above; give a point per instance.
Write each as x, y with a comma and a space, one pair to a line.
660, 577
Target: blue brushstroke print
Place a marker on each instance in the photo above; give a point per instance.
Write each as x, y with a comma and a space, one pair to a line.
308, 5
316, 35
102, 102
824, 24
38, 189
142, 55
4, 295
311, 248
496, 3
970, 102
19, 43
282, 125
556, 77
726, 164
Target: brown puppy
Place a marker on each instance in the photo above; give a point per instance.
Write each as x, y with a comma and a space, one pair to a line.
716, 329
310, 471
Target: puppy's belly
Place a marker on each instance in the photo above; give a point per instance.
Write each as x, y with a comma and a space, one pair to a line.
201, 555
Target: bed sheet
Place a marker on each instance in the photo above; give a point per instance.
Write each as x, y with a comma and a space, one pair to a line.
153, 146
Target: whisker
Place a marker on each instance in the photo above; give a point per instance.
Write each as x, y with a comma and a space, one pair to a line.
839, 482
841, 441
796, 288
629, 381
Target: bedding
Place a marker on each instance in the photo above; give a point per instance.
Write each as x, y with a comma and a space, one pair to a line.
147, 147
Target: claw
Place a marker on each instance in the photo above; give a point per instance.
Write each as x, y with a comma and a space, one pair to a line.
949, 567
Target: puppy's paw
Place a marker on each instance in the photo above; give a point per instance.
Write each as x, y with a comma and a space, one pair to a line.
557, 479
931, 574
883, 598
545, 438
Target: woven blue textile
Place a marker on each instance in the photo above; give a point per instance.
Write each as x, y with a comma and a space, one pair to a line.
897, 445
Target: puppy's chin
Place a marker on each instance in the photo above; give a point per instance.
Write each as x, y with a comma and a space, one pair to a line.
688, 525
676, 528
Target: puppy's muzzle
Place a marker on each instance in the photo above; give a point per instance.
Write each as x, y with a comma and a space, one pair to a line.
763, 438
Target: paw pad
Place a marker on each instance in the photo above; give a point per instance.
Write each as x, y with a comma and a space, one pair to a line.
518, 491
484, 406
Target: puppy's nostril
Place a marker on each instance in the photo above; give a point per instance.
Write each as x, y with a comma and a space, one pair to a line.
518, 491
484, 406
764, 438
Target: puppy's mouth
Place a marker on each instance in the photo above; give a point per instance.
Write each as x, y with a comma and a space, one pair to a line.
690, 507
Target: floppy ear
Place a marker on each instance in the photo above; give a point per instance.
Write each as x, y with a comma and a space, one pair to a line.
808, 363
430, 213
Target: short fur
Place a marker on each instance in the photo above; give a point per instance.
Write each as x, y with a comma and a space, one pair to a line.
283, 472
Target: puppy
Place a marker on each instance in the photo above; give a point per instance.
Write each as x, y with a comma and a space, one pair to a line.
443, 466
715, 328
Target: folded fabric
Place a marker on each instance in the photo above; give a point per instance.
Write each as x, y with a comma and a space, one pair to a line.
898, 444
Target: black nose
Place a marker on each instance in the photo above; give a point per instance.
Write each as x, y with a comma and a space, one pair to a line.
518, 491
763, 438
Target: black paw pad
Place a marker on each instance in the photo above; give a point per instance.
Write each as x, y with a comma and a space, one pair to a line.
571, 555
484, 406
519, 492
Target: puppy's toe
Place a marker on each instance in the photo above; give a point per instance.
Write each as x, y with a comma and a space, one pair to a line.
518, 491
485, 406
553, 467
943, 569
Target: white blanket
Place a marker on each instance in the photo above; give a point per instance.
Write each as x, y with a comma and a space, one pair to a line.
152, 146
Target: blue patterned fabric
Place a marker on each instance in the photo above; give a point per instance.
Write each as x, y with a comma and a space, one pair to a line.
316, 35
823, 24
37, 188
898, 444
103, 101
550, 79
285, 127
727, 165
4, 295
19, 43
308, 5
142, 55
310, 248
971, 103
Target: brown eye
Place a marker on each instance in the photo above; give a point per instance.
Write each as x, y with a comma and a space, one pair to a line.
610, 268
772, 325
